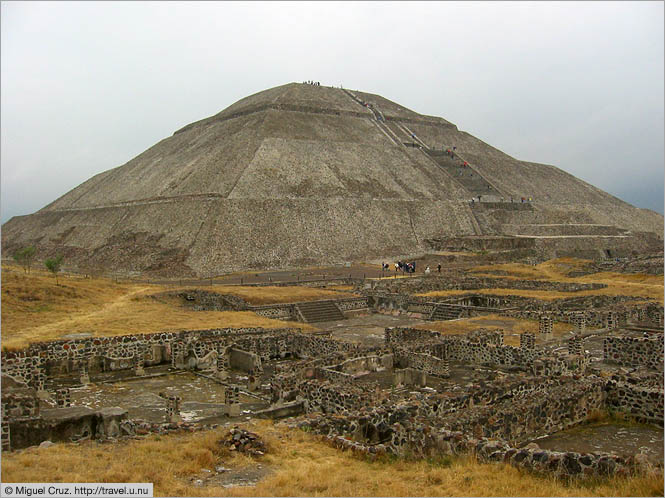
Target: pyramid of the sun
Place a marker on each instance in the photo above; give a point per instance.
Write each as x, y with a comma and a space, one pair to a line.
303, 174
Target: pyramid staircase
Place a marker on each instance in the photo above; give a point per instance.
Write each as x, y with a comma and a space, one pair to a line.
319, 311
469, 178
446, 312
379, 119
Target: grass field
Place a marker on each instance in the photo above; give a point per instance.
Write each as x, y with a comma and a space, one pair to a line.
287, 294
640, 286
300, 465
34, 308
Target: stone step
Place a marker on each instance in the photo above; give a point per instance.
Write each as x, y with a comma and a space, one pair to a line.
441, 313
470, 179
320, 311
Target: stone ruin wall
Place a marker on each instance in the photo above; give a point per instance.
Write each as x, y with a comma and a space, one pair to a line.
431, 365
434, 441
508, 411
485, 420
440, 404
34, 364
435, 283
364, 364
532, 415
286, 380
400, 335
488, 350
617, 315
635, 351
20, 404
334, 376
403, 430
613, 314
336, 399
643, 403
352, 304
465, 351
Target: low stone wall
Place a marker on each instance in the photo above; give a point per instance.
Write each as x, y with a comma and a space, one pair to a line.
370, 363
533, 415
424, 308
244, 360
332, 398
184, 349
23, 366
334, 376
635, 351
478, 353
20, 403
438, 405
276, 311
352, 304
433, 282
599, 311
69, 424
431, 365
643, 403
559, 464
560, 364
520, 412
483, 352
202, 300
387, 302
485, 347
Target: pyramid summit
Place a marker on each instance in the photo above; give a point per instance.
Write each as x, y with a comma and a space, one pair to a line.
304, 174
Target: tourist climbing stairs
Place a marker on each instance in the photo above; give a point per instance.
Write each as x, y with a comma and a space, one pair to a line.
446, 312
320, 311
352, 95
379, 118
411, 135
465, 175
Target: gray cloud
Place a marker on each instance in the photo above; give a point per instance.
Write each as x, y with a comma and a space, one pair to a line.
87, 86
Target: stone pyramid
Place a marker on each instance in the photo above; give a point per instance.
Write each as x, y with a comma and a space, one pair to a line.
302, 174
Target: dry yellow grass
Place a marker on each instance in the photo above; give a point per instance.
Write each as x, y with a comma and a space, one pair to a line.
618, 284
301, 466
536, 294
552, 269
34, 308
343, 288
35, 299
275, 294
512, 327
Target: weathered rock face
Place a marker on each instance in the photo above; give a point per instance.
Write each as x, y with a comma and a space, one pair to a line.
303, 174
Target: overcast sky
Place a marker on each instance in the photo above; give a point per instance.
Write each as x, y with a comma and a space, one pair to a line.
87, 86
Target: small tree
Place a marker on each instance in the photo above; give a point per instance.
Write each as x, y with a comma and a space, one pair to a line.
53, 265
25, 257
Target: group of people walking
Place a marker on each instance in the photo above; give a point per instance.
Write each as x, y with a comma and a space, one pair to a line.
315, 83
407, 267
